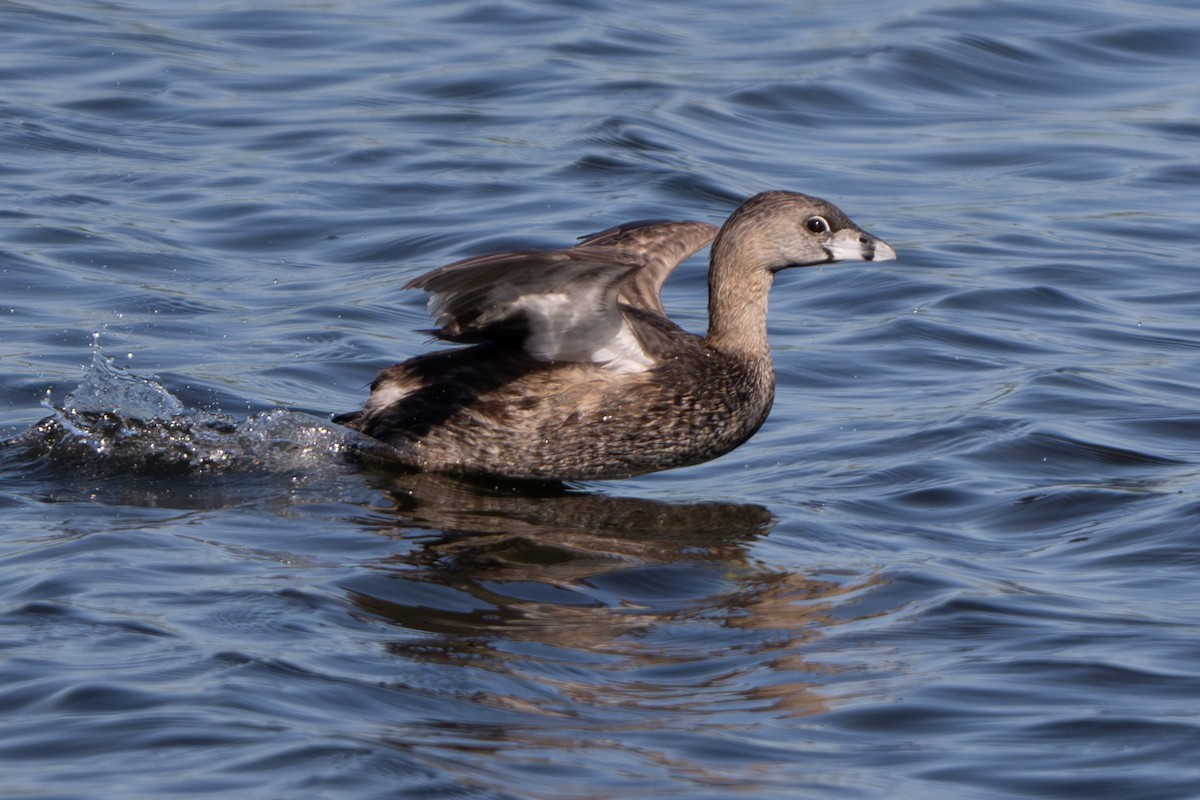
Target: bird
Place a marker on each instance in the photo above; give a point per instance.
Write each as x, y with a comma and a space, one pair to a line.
570, 369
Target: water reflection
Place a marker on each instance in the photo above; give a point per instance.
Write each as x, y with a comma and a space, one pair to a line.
591, 603
603, 603
523, 622
520, 558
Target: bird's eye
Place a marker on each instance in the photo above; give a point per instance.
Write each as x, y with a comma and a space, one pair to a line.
817, 225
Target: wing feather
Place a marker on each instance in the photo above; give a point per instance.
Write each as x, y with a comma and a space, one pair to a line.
563, 305
659, 246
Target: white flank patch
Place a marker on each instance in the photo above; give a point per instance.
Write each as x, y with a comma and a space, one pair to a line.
569, 328
623, 354
386, 394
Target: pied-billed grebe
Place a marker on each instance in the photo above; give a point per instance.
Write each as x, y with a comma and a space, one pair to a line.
574, 371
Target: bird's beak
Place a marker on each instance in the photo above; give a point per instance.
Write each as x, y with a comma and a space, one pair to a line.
853, 244
883, 251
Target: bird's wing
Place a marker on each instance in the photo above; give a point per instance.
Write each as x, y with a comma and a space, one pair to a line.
659, 246
562, 305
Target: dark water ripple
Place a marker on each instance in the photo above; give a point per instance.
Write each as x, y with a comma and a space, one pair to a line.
959, 560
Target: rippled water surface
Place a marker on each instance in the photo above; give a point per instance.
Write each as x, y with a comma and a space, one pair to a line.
960, 559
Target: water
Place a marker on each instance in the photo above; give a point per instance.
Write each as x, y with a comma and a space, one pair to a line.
958, 561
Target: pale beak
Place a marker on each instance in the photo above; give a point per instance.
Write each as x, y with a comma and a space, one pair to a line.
854, 244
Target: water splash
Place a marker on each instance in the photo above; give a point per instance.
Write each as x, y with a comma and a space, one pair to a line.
106, 388
116, 421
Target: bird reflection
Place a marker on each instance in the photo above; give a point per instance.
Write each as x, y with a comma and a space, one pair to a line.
516, 578
524, 555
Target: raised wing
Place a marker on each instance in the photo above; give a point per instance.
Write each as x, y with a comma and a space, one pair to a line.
659, 246
562, 305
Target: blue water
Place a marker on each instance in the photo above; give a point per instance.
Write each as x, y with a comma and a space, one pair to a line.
959, 561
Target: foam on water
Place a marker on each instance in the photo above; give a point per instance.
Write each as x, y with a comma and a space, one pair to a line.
118, 422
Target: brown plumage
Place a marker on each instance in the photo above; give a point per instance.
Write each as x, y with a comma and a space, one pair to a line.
574, 371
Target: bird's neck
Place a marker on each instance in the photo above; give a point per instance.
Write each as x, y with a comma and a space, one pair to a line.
737, 305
